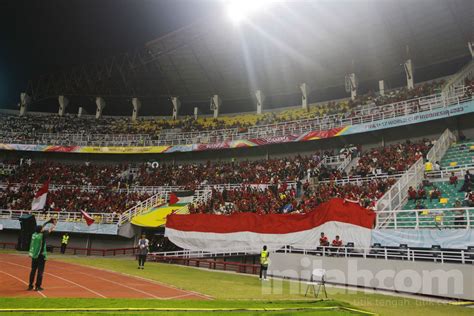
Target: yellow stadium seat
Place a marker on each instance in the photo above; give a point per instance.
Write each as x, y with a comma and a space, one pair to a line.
453, 164
438, 218
443, 200
425, 212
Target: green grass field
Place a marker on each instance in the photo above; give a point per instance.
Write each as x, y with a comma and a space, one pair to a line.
231, 290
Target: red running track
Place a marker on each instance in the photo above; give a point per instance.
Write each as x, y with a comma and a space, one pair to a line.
62, 279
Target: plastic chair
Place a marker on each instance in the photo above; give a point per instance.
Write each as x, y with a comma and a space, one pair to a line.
318, 277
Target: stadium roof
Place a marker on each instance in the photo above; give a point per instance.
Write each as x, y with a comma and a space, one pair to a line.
316, 42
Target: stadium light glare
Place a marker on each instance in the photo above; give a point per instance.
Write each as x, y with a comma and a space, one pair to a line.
239, 10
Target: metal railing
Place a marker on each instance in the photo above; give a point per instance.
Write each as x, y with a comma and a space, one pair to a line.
156, 200
213, 264
396, 195
347, 160
438, 218
338, 162
207, 254
358, 180
445, 173
82, 251
458, 79
439, 255
202, 196
441, 146
371, 114
385, 253
73, 217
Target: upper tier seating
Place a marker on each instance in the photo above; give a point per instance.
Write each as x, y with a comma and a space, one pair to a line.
29, 129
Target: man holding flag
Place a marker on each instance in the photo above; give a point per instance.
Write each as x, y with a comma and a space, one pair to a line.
38, 253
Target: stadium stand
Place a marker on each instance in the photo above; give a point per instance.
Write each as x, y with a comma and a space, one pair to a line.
71, 199
70, 130
110, 188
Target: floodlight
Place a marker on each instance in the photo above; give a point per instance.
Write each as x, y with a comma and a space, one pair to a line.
238, 10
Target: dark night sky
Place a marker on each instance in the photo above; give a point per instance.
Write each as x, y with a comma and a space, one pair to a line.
40, 36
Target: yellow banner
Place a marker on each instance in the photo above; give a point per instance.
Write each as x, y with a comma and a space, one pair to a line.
157, 217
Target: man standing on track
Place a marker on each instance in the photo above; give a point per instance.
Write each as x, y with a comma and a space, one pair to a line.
264, 263
143, 244
64, 241
38, 253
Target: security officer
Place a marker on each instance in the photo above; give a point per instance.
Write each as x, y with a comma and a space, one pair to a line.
264, 263
64, 242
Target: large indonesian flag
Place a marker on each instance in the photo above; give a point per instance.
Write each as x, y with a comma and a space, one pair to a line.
39, 201
350, 221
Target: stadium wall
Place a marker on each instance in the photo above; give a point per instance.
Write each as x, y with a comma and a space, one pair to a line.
426, 278
76, 240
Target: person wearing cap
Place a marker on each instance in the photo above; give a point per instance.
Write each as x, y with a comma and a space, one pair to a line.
38, 253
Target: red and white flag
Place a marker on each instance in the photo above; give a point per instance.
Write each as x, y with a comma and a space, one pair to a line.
350, 221
89, 220
39, 201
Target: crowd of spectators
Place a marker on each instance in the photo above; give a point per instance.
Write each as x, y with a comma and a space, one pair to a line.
269, 200
391, 159
82, 174
281, 199
71, 199
190, 175
28, 129
263, 183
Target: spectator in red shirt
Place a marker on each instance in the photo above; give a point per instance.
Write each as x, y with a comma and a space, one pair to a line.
335, 245
453, 179
412, 194
435, 194
421, 193
323, 241
337, 242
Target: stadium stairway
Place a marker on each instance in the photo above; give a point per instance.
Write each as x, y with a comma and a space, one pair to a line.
458, 155
154, 215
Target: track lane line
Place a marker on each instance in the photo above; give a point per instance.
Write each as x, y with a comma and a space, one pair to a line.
69, 281
16, 278
113, 282
207, 297
178, 296
155, 282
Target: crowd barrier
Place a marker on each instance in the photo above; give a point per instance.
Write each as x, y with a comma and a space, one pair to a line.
215, 264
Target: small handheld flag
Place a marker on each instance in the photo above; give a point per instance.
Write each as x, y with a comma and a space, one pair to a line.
39, 201
89, 220
173, 199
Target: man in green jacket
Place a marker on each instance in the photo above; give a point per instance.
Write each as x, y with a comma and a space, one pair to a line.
38, 253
